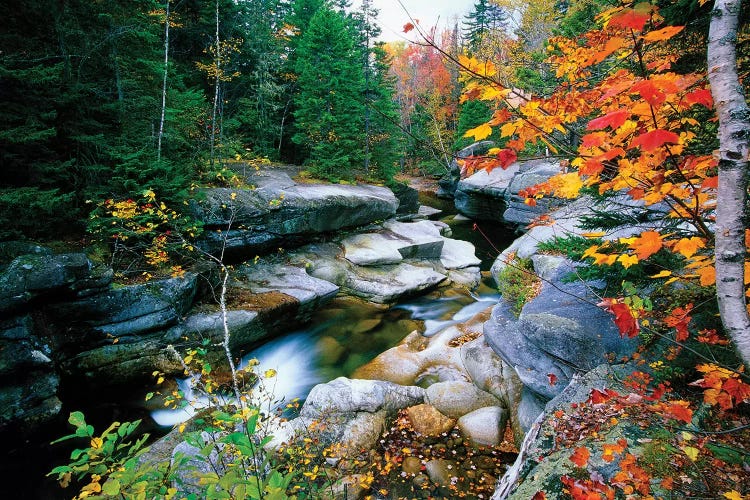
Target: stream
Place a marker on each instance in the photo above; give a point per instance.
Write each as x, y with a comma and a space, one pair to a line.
346, 334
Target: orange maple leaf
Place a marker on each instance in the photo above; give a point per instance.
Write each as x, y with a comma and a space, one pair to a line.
580, 456
610, 450
688, 246
662, 34
647, 244
679, 410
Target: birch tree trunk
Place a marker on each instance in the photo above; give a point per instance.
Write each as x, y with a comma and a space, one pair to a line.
734, 145
164, 84
216, 86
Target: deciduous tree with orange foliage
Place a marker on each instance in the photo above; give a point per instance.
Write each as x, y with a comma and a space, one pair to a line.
631, 123
636, 122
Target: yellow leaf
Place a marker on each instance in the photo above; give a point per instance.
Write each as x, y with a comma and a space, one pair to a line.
97, 443
567, 185
594, 234
662, 274
159, 380
707, 275
627, 260
691, 452
270, 373
181, 428
687, 436
688, 246
733, 495
481, 132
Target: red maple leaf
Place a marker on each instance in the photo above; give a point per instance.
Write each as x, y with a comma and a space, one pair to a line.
626, 323
552, 378
701, 96
507, 157
654, 139
613, 119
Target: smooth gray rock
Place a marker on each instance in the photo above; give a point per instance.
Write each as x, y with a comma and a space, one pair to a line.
484, 426
559, 333
281, 215
530, 174
448, 183
408, 198
28, 381
458, 254
457, 398
483, 195
422, 239
266, 277
388, 284
372, 249
349, 396
354, 412
32, 276
129, 310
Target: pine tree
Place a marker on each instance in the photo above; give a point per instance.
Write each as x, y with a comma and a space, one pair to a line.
329, 111
485, 18
472, 114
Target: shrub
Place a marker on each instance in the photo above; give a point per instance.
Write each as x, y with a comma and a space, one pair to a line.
518, 283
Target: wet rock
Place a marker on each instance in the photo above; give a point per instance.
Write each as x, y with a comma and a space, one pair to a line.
282, 215
455, 399
484, 426
428, 421
458, 254
30, 277
442, 472
559, 332
530, 174
411, 465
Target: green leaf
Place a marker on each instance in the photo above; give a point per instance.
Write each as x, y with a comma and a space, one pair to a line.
111, 487
77, 419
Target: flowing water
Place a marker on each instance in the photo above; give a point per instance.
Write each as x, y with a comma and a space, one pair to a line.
346, 333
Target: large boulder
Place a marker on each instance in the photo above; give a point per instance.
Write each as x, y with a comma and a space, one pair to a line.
28, 381
558, 333
246, 222
125, 310
352, 412
448, 183
482, 196
530, 174
45, 276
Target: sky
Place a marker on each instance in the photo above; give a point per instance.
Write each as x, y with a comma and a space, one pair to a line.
392, 16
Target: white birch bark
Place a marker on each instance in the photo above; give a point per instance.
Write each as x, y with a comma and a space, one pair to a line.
734, 144
164, 84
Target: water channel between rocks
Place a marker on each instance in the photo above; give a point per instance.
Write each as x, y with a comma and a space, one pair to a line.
345, 334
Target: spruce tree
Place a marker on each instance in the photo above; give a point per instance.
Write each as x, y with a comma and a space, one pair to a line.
329, 111
485, 17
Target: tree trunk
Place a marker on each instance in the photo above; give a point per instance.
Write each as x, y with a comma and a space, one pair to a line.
734, 145
216, 86
164, 84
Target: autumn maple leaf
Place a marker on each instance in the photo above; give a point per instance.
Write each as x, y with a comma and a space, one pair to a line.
625, 321
580, 456
647, 244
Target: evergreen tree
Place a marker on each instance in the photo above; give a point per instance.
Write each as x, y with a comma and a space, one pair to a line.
384, 135
472, 114
329, 111
485, 18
